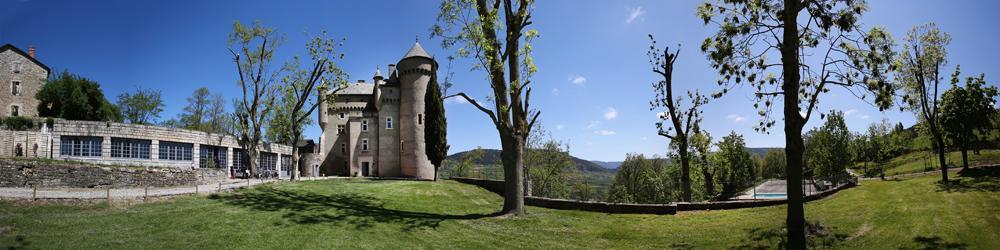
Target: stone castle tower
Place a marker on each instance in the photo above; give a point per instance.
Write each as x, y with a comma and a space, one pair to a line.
376, 129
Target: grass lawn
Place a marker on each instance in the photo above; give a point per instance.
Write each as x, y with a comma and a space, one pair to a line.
410, 214
922, 161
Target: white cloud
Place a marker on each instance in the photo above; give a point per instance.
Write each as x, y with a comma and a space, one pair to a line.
611, 113
634, 13
560, 127
577, 79
850, 112
456, 100
593, 124
735, 118
865, 116
555, 91
605, 132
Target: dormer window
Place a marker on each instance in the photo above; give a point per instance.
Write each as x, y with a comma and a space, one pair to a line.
15, 88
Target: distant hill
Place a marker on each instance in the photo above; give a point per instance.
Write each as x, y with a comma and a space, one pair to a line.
492, 156
760, 152
608, 164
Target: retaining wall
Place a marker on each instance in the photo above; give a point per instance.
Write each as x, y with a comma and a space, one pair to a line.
496, 186
56, 174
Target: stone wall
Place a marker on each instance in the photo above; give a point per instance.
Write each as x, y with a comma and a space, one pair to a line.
497, 186
31, 77
60, 174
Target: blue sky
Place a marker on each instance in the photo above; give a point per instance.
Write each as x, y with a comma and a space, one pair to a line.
593, 84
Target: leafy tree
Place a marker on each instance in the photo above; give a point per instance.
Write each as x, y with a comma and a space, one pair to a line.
73, 97
774, 164
807, 46
253, 49
920, 64
435, 125
302, 90
827, 148
735, 167
701, 144
465, 164
877, 147
554, 172
682, 120
141, 107
494, 32
966, 111
641, 180
204, 112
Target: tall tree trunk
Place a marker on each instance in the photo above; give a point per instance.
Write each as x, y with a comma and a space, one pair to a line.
964, 146
939, 143
709, 183
254, 164
513, 166
294, 166
795, 219
685, 171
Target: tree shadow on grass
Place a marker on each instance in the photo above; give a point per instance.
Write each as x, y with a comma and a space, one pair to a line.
360, 210
935, 242
985, 179
817, 236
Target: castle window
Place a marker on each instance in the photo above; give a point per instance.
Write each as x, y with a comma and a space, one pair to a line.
130, 148
420, 119
16, 67
343, 148
388, 123
342, 115
364, 144
340, 129
364, 125
85, 146
15, 88
175, 151
15, 110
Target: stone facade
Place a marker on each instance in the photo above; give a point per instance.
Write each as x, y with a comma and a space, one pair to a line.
48, 143
376, 129
21, 76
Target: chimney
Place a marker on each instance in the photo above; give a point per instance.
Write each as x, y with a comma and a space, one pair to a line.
31, 51
392, 70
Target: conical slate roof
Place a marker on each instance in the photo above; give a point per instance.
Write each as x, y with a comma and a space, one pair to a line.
416, 51
378, 73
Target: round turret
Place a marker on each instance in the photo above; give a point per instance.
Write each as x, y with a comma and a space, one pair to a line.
415, 71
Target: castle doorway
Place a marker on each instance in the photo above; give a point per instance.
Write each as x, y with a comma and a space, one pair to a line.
365, 168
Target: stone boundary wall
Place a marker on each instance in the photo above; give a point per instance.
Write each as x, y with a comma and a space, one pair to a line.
52, 174
496, 186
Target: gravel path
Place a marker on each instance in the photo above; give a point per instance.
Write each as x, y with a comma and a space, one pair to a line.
130, 193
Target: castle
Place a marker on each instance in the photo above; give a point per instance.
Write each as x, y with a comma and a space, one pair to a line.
377, 128
22, 76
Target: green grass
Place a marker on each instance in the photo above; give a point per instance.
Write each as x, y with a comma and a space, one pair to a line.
335, 214
922, 161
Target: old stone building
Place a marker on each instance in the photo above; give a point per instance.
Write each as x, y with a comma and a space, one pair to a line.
376, 128
21, 76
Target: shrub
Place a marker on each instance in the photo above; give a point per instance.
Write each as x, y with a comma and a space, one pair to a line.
17, 123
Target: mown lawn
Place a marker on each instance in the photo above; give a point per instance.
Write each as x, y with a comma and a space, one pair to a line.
409, 214
922, 161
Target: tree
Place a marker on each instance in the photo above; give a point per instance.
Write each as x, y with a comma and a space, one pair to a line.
876, 147
682, 120
757, 39
204, 112
774, 164
827, 147
141, 107
701, 144
436, 125
73, 97
736, 168
641, 180
253, 48
304, 89
493, 32
966, 111
919, 65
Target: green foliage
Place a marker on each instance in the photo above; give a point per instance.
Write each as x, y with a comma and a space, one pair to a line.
642, 180
435, 124
142, 107
827, 152
736, 170
73, 97
966, 111
552, 173
919, 65
875, 146
17, 123
773, 165
204, 112
463, 167
253, 50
